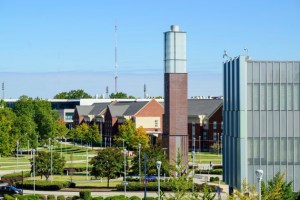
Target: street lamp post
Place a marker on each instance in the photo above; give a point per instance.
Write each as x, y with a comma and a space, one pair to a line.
259, 173
218, 143
109, 141
87, 166
49, 141
123, 143
17, 156
27, 147
194, 140
51, 170
105, 142
33, 152
139, 161
61, 148
158, 165
221, 150
199, 144
125, 183
193, 155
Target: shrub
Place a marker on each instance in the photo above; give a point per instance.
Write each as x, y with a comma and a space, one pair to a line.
119, 197
51, 197
216, 171
8, 197
61, 197
14, 177
85, 194
44, 185
150, 198
151, 186
25, 197
41, 196
134, 198
213, 171
97, 198
212, 179
69, 198
130, 179
72, 185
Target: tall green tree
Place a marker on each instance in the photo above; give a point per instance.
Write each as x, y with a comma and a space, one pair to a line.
286, 189
61, 128
108, 163
126, 132
154, 153
94, 136
45, 118
120, 95
43, 164
24, 106
140, 136
73, 94
7, 142
82, 132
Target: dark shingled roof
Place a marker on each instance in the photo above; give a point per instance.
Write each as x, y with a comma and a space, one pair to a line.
126, 108
84, 110
203, 106
98, 108
117, 110
134, 107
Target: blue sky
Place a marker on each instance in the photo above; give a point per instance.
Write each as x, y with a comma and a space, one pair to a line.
51, 46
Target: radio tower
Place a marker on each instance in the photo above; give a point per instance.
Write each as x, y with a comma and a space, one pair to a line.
116, 58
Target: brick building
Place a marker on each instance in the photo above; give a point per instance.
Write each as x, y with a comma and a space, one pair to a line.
205, 123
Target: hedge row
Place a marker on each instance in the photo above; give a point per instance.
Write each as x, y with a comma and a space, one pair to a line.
213, 171
14, 177
152, 186
45, 185
61, 197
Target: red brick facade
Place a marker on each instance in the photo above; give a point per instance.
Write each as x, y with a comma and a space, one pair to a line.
152, 109
175, 134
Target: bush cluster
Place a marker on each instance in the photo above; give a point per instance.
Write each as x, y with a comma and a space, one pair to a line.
212, 179
14, 177
151, 186
44, 185
213, 171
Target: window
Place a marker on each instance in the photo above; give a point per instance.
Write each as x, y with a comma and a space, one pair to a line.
69, 116
156, 123
214, 125
204, 124
215, 136
204, 135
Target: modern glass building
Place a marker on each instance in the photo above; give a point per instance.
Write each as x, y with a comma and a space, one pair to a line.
261, 120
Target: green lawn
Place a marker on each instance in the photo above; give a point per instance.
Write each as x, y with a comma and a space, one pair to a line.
68, 151
82, 181
206, 157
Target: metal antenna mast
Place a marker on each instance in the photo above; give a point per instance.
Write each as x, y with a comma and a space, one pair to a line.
116, 58
3, 90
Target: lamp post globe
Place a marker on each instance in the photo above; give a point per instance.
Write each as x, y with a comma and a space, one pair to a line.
259, 174
158, 165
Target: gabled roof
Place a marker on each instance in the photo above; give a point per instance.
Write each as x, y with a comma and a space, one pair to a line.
98, 108
95, 109
126, 108
84, 110
134, 107
203, 106
117, 110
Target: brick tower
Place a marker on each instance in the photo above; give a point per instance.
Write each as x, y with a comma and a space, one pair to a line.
175, 131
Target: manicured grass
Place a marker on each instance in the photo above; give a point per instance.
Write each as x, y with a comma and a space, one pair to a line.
112, 184
205, 158
68, 150
81, 181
